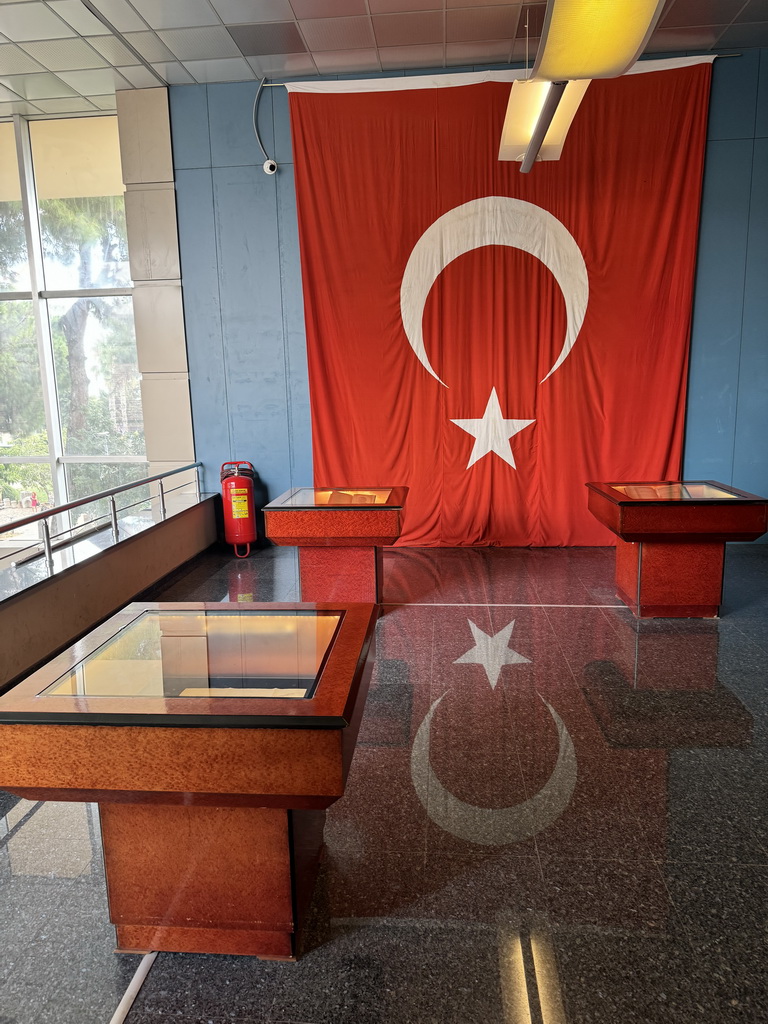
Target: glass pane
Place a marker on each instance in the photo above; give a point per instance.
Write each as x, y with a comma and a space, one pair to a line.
14, 267
26, 489
91, 478
674, 492
207, 654
97, 376
339, 498
80, 197
22, 413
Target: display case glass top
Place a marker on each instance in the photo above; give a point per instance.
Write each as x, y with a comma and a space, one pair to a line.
185, 653
203, 664
340, 498
673, 491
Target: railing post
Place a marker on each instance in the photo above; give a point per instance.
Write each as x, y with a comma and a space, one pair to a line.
161, 498
47, 545
198, 482
113, 517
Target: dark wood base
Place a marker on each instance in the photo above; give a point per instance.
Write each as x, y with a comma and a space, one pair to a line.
659, 579
198, 879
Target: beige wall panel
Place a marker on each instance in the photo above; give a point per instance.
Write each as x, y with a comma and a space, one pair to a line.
159, 319
153, 242
49, 616
145, 135
167, 418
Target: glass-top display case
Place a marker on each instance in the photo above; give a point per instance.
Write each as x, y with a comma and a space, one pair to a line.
673, 491
340, 498
200, 664
190, 653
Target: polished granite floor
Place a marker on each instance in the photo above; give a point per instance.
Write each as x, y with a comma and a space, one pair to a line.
555, 814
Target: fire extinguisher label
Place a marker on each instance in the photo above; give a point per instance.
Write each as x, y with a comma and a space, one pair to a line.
240, 506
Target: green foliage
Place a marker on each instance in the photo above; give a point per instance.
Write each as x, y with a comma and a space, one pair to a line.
21, 396
35, 476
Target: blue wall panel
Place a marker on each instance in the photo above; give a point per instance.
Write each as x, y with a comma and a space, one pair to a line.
202, 314
189, 117
252, 320
733, 100
242, 285
717, 312
750, 462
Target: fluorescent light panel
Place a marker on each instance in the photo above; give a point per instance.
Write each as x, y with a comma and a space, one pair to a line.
593, 38
527, 100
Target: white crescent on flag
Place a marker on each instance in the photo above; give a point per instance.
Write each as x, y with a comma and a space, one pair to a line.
494, 220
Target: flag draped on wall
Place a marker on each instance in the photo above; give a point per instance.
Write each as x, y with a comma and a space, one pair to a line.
492, 340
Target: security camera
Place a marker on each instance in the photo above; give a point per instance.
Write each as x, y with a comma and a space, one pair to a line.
270, 166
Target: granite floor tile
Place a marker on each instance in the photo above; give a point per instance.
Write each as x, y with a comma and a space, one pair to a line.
597, 803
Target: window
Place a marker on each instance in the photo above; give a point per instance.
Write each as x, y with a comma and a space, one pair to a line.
70, 406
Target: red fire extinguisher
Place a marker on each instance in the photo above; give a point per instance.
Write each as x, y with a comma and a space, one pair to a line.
239, 512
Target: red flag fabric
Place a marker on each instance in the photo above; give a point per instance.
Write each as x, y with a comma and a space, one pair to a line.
492, 339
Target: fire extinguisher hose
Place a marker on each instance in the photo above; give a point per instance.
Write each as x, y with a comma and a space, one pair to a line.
247, 550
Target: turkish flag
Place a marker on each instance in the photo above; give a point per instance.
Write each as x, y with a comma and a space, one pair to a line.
490, 339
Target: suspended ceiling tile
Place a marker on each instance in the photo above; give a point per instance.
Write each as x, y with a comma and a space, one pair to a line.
24, 22
684, 13
273, 37
8, 94
121, 15
14, 61
65, 54
482, 23
176, 13
753, 34
525, 50
234, 70
328, 8
337, 33
140, 77
408, 29
37, 87
104, 102
173, 73
79, 17
755, 11
422, 55
113, 50
670, 40
149, 45
533, 15
249, 12
347, 61
403, 6
271, 64
68, 106
93, 81
200, 43
18, 107
487, 51
485, 3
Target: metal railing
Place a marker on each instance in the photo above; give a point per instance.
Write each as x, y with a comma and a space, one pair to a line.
71, 533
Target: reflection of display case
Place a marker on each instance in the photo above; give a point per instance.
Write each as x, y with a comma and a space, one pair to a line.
339, 532
671, 540
658, 690
213, 737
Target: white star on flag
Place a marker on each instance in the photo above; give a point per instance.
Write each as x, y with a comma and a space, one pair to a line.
492, 652
492, 432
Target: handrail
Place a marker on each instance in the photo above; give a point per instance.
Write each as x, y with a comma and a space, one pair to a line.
48, 513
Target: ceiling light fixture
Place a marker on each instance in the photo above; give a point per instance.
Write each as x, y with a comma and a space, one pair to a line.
593, 38
580, 40
538, 117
